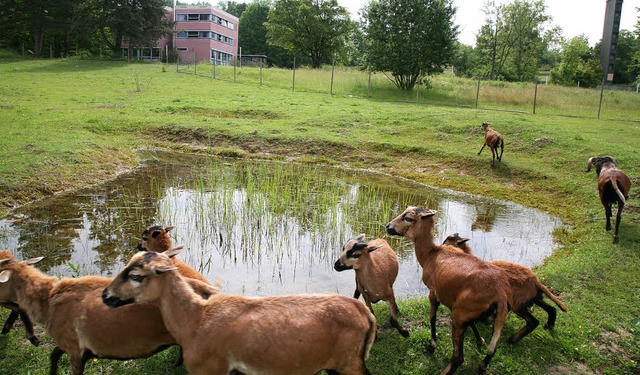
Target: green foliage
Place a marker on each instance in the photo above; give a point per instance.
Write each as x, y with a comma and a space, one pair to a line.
512, 39
578, 65
315, 28
253, 36
409, 50
233, 7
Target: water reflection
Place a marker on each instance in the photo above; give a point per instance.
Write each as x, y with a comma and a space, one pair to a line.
261, 227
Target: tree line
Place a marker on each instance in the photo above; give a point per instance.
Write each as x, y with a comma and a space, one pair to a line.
407, 40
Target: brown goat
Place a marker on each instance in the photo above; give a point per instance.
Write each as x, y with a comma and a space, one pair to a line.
72, 312
157, 239
613, 187
227, 334
376, 266
17, 312
526, 290
473, 289
493, 139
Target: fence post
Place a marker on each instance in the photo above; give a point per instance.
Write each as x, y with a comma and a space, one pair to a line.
478, 92
293, 85
215, 62
535, 98
332, 71
260, 72
235, 64
601, 93
418, 87
369, 86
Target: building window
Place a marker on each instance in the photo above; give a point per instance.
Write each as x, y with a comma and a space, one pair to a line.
221, 58
182, 49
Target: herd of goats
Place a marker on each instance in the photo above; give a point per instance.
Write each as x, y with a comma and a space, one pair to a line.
157, 301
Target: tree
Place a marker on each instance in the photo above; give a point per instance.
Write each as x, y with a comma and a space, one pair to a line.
315, 28
578, 64
233, 7
409, 38
513, 38
252, 35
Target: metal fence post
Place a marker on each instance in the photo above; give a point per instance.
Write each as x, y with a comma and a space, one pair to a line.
369, 86
235, 64
601, 94
260, 72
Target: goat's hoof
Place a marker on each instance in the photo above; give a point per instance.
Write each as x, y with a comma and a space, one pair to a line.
34, 341
480, 343
429, 350
616, 240
5, 331
548, 326
404, 332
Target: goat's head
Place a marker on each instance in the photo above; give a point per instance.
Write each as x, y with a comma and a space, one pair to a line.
156, 239
8, 267
457, 241
135, 283
601, 162
413, 222
486, 125
351, 253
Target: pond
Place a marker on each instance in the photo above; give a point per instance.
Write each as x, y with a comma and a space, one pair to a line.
261, 227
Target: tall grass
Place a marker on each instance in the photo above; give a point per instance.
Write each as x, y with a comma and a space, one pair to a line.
441, 89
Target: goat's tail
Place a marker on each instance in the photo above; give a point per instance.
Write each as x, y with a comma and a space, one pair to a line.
552, 296
370, 337
614, 185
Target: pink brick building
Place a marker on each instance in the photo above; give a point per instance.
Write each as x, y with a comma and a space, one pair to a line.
202, 33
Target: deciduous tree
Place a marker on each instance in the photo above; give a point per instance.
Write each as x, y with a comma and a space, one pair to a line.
315, 28
409, 38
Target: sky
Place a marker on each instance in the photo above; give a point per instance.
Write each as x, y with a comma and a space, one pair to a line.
575, 17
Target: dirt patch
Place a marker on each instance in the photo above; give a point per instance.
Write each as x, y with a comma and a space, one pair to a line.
256, 114
541, 142
573, 369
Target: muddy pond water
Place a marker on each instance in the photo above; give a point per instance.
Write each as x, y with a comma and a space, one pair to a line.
261, 227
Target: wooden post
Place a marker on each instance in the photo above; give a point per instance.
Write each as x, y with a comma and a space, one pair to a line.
293, 86
333, 69
235, 64
535, 98
478, 92
260, 72
601, 94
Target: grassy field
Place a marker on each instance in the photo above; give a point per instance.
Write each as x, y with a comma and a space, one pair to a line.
69, 123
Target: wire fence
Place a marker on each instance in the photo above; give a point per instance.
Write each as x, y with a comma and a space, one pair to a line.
443, 89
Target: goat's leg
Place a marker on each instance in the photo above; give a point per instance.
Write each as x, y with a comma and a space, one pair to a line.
607, 212
8, 324
501, 317
493, 156
479, 339
28, 327
393, 311
433, 303
54, 358
481, 148
501, 151
551, 311
618, 217
457, 358
532, 323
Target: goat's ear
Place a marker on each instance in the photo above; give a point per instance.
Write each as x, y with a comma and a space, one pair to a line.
4, 276
360, 237
169, 228
373, 248
462, 241
159, 270
4, 262
427, 214
33, 260
173, 251
155, 233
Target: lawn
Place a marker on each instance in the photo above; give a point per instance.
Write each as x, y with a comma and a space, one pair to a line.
69, 123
